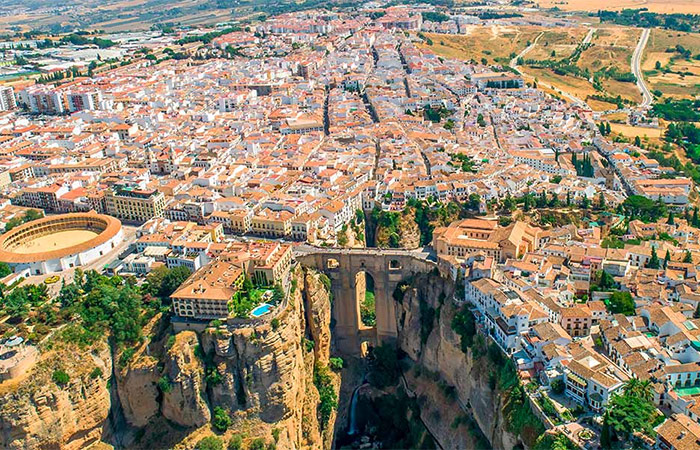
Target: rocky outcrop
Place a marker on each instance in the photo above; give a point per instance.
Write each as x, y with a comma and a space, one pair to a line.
318, 314
267, 371
35, 412
184, 401
403, 232
168, 387
136, 380
436, 347
137, 389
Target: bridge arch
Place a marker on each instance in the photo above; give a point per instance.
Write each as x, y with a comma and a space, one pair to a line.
387, 268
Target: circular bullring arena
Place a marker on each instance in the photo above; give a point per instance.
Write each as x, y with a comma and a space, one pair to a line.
56, 243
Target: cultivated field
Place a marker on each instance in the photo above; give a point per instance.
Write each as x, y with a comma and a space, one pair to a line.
119, 15
658, 6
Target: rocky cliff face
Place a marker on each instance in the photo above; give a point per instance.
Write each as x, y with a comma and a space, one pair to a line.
436, 347
36, 412
168, 390
185, 401
403, 231
266, 371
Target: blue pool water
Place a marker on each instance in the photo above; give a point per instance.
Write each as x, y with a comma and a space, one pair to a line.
261, 310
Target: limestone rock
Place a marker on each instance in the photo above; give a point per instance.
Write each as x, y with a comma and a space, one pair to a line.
442, 353
318, 313
137, 389
185, 403
38, 413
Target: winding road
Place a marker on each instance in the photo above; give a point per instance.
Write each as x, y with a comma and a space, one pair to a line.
647, 98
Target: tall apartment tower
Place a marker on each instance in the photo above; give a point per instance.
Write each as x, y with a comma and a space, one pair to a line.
7, 98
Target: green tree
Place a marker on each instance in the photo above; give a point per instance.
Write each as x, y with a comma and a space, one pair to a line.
670, 220
172, 280
667, 258
221, 420
637, 141
653, 262
621, 303
605, 434
605, 280
5, 270
688, 257
601, 201
509, 203
629, 412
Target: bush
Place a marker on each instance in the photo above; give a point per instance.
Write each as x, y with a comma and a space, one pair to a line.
126, 356
164, 384
308, 344
236, 442
276, 434
257, 444
96, 373
210, 443
60, 377
221, 420
275, 323
336, 363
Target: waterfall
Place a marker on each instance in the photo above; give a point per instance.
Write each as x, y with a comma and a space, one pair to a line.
352, 429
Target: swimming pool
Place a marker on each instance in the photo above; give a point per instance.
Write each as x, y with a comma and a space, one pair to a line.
261, 310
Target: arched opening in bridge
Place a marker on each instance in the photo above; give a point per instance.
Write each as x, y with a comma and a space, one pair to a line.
364, 291
394, 264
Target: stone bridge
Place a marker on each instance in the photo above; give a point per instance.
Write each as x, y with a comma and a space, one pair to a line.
347, 269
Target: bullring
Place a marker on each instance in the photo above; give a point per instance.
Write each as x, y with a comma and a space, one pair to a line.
60, 242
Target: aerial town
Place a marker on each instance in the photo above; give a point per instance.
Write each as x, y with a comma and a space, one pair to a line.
207, 222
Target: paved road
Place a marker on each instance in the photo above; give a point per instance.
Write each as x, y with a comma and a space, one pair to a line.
589, 36
647, 98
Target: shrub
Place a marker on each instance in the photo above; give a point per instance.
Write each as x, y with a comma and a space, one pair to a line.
308, 344
336, 363
213, 376
275, 323
221, 420
257, 444
236, 442
126, 356
96, 373
171, 342
210, 443
164, 384
276, 434
60, 377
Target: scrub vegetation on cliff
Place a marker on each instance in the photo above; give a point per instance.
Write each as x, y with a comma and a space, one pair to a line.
502, 376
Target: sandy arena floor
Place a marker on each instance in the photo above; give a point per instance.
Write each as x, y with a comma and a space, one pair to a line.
56, 241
